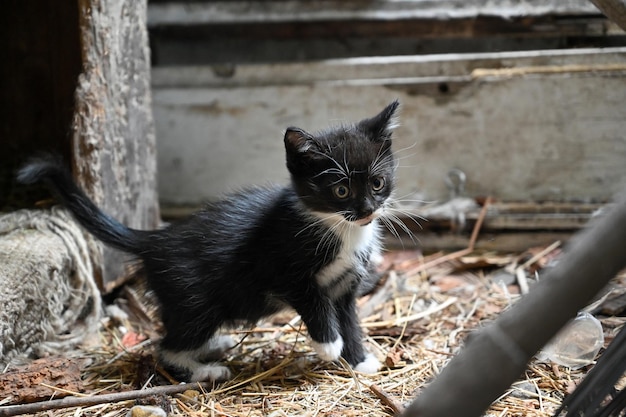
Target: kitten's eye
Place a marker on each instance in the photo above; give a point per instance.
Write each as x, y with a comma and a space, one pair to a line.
378, 183
341, 191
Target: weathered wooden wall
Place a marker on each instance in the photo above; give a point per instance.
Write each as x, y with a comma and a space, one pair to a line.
229, 76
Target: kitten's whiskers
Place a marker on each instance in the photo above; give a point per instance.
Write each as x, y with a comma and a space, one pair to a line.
392, 220
344, 171
398, 159
389, 225
332, 236
403, 199
318, 221
332, 171
380, 162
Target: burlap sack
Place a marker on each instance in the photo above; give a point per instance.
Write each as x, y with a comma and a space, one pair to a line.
49, 301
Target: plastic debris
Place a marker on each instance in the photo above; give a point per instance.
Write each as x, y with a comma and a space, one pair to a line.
577, 344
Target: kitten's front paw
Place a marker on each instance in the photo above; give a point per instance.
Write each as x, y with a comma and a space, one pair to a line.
211, 372
370, 365
328, 351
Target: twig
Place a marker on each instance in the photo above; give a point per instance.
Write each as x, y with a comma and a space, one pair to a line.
387, 399
540, 255
67, 402
520, 274
259, 376
440, 260
479, 223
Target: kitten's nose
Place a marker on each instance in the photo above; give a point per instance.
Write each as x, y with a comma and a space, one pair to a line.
366, 209
365, 213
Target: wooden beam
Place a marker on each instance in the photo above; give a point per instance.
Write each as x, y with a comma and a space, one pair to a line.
114, 147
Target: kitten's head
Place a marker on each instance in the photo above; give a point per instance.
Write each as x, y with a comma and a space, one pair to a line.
348, 170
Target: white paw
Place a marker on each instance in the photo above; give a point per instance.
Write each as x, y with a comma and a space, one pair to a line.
370, 365
329, 351
210, 372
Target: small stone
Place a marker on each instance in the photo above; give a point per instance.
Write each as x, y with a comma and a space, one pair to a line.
191, 393
146, 411
503, 277
524, 390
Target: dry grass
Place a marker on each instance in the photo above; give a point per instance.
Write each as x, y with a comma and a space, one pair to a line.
415, 322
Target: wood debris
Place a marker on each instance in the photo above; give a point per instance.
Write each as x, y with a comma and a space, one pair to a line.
42, 379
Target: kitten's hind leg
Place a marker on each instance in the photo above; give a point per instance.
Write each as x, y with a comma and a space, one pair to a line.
329, 351
215, 347
191, 345
185, 364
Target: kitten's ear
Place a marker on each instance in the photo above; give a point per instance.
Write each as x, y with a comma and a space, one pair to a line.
298, 141
381, 126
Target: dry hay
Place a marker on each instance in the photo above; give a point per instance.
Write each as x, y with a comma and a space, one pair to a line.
415, 322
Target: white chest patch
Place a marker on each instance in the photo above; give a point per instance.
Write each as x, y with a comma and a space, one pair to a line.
356, 242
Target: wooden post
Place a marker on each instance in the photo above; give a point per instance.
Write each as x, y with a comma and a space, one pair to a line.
113, 141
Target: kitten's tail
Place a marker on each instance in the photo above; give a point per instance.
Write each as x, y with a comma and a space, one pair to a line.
50, 170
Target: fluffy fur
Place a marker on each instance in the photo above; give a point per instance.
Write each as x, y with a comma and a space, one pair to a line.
307, 246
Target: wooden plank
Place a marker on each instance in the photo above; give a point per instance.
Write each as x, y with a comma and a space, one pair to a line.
226, 32
305, 42
179, 13
422, 28
500, 217
511, 226
499, 242
442, 67
503, 216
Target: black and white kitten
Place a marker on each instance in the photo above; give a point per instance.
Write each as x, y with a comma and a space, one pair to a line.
308, 245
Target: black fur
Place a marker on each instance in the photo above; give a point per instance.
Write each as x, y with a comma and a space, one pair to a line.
256, 251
